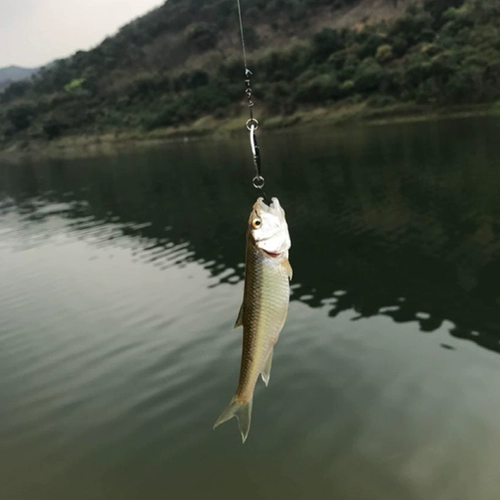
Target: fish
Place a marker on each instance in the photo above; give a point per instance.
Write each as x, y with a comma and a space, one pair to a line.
265, 305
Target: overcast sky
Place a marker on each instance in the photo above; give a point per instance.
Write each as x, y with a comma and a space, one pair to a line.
35, 32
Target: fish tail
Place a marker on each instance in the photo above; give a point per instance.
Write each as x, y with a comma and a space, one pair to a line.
242, 412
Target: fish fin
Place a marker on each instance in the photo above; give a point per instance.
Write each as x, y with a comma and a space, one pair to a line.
239, 319
242, 412
266, 371
288, 269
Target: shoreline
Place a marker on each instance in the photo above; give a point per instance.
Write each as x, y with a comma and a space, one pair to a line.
210, 128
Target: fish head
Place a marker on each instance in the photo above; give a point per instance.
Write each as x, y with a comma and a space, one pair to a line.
268, 228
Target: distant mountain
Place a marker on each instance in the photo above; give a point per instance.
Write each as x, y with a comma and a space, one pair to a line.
11, 74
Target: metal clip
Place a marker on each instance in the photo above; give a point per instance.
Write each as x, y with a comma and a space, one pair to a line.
252, 126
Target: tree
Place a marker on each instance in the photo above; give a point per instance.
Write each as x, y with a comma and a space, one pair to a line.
320, 89
202, 36
15, 90
384, 53
20, 114
325, 43
369, 75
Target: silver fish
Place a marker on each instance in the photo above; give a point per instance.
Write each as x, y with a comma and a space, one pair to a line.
265, 305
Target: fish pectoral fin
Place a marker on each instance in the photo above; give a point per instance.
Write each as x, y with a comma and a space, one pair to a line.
266, 371
239, 319
288, 269
242, 412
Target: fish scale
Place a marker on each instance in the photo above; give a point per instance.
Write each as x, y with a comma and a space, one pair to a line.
267, 292
265, 305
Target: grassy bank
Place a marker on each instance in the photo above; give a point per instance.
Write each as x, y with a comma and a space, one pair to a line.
211, 128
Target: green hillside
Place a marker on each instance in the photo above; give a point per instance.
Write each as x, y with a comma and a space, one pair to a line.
183, 61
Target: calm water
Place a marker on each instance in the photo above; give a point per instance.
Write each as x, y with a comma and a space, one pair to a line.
121, 277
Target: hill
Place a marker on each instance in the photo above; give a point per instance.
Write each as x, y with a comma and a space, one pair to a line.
11, 74
182, 62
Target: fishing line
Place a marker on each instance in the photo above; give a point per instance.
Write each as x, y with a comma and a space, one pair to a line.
252, 124
242, 37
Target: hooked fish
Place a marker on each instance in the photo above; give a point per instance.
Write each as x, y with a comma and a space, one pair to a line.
265, 305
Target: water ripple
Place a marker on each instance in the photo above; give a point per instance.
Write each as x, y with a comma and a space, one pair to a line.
118, 298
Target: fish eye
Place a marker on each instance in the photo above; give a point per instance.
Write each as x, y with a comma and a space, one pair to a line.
256, 223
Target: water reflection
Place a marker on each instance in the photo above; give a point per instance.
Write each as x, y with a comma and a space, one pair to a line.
393, 221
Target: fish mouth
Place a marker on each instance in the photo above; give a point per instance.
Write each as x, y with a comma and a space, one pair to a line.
271, 254
274, 207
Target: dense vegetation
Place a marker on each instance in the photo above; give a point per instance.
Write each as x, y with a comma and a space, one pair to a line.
181, 62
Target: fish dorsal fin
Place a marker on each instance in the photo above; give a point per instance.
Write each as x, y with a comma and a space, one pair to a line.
239, 319
288, 269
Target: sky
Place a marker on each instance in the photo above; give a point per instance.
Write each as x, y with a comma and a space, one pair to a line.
35, 32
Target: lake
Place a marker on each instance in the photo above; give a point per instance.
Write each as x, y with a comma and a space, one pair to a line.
121, 277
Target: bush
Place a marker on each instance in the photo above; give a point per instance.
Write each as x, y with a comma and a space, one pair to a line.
369, 76
75, 85
325, 43
53, 128
427, 92
347, 87
320, 89
350, 66
384, 53
380, 101
466, 85
337, 59
190, 80
202, 36
21, 114
369, 45
15, 90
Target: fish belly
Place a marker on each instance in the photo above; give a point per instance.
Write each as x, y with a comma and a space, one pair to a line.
265, 306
